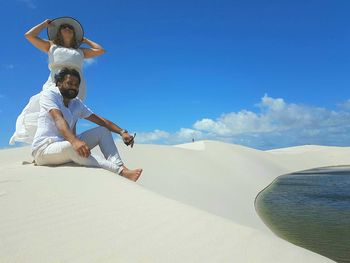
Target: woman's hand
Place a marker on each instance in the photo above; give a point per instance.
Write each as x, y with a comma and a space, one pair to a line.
94, 50
47, 22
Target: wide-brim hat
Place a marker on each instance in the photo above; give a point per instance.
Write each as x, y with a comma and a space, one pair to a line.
57, 22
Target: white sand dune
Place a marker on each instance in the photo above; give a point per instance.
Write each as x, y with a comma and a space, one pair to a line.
224, 179
194, 203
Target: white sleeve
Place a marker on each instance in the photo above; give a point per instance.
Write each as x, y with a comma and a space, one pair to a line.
49, 100
84, 111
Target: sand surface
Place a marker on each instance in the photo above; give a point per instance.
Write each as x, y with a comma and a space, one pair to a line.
193, 203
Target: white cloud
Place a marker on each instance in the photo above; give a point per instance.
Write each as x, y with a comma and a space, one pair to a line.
274, 115
163, 137
29, 3
156, 136
345, 105
275, 124
185, 134
89, 61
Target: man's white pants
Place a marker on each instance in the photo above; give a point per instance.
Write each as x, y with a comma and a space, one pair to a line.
63, 152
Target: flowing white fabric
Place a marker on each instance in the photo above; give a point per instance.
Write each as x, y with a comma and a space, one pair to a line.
59, 57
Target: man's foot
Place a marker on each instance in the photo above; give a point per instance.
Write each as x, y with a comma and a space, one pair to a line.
132, 175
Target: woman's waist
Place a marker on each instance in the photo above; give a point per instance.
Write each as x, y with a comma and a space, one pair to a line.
55, 67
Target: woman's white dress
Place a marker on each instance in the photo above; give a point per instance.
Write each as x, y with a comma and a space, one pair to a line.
59, 57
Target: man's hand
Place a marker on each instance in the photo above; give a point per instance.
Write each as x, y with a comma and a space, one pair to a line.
128, 139
81, 148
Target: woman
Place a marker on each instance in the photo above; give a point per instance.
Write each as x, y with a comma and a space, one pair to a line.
65, 36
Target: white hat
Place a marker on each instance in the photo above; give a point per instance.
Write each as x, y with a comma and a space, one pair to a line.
57, 22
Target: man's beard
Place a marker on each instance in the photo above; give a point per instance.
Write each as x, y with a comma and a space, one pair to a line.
69, 93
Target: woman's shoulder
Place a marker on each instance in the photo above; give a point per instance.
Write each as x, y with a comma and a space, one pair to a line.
52, 46
81, 51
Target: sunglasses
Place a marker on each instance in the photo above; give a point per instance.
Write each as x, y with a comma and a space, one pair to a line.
67, 26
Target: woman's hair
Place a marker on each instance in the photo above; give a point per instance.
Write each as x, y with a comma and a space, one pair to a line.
60, 76
59, 39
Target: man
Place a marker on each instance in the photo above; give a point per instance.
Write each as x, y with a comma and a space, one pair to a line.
55, 141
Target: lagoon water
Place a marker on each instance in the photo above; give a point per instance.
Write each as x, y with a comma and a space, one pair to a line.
311, 209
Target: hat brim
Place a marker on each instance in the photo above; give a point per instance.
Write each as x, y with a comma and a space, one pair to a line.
57, 22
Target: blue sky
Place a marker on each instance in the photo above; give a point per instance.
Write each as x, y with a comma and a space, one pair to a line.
265, 74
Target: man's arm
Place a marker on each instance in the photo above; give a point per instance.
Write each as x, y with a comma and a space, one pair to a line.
112, 127
80, 146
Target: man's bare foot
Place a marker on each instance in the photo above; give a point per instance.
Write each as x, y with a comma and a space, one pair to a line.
133, 175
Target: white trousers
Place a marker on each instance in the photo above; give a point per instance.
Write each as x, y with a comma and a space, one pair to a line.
63, 152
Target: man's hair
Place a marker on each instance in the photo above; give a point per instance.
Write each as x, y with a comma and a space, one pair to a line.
60, 76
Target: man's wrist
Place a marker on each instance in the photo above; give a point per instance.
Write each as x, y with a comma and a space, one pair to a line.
73, 140
122, 131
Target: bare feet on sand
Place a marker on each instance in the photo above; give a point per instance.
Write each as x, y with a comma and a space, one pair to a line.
133, 175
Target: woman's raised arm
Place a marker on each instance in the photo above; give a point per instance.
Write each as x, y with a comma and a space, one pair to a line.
32, 36
95, 50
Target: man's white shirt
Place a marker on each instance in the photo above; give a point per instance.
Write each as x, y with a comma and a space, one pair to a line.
47, 131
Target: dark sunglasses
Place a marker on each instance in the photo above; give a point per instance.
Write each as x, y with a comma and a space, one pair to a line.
67, 26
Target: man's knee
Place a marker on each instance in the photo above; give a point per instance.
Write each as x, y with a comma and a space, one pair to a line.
105, 130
